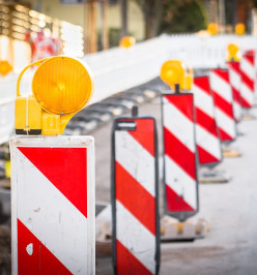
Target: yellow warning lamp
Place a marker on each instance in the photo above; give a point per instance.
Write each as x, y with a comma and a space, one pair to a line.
172, 73
5, 67
233, 52
213, 29
61, 87
177, 72
240, 29
127, 41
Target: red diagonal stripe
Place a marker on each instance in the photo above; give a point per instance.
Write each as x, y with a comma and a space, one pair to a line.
184, 103
203, 83
127, 263
175, 202
144, 133
222, 73
135, 198
179, 153
235, 66
249, 57
145, 136
224, 136
207, 122
246, 104
223, 105
65, 168
247, 81
205, 157
236, 95
42, 260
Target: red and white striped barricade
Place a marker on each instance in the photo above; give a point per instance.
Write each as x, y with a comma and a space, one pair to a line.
235, 82
207, 138
53, 205
136, 237
223, 101
248, 74
180, 163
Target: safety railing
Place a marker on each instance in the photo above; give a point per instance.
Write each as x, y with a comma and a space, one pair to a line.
119, 69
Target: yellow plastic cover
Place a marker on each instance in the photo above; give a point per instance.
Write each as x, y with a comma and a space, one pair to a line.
62, 85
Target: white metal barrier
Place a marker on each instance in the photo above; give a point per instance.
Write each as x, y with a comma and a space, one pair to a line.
119, 69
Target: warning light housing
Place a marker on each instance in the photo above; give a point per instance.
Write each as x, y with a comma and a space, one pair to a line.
213, 28
5, 67
177, 72
233, 52
61, 87
127, 41
240, 29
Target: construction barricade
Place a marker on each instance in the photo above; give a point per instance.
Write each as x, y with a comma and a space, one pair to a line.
248, 74
223, 101
235, 82
53, 207
180, 163
136, 237
53, 181
207, 137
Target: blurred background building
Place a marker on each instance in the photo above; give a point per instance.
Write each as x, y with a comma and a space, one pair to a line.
34, 29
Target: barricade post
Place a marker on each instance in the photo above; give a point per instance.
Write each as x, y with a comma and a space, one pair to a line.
53, 202
180, 156
135, 216
223, 102
180, 162
235, 81
233, 63
207, 136
248, 75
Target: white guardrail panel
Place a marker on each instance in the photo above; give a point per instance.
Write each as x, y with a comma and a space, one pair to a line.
7, 96
119, 69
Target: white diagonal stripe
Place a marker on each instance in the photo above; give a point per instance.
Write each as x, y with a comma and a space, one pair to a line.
135, 237
53, 224
208, 142
225, 123
203, 101
178, 124
235, 78
247, 68
237, 110
221, 87
247, 93
135, 159
180, 182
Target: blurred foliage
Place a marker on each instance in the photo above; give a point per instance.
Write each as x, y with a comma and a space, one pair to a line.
113, 37
254, 2
183, 16
173, 16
